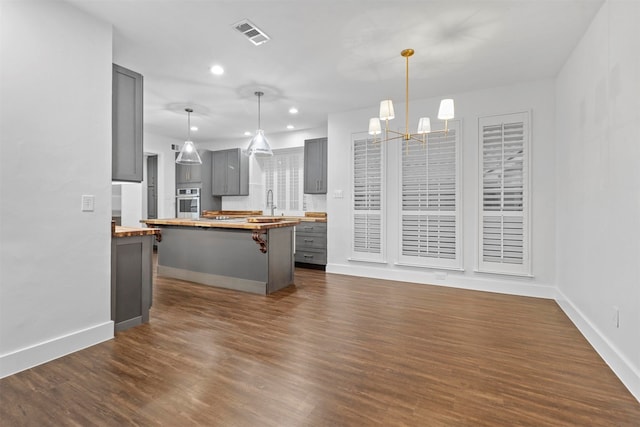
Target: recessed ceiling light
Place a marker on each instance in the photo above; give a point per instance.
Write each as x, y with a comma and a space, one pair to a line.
217, 70
194, 128
247, 133
290, 127
293, 110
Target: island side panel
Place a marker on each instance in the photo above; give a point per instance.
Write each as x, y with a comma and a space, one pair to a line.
281, 258
131, 280
227, 258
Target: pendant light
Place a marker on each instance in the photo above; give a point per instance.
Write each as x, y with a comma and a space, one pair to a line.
259, 144
188, 153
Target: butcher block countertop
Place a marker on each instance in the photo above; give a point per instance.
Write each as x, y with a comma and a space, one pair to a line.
236, 223
308, 217
121, 231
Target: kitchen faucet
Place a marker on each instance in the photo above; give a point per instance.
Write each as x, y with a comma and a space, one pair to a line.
270, 202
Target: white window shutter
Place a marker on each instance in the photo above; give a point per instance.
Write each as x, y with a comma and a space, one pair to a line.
282, 174
430, 194
504, 188
368, 199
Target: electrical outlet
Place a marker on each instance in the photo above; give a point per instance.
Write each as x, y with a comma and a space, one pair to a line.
441, 275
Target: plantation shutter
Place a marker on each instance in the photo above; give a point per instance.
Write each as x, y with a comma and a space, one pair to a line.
504, 229
430, 209
282, 174
368, 196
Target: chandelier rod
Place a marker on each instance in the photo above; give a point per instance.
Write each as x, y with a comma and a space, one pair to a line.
406, 53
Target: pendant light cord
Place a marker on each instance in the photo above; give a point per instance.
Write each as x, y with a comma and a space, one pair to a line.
259, 94
189, 111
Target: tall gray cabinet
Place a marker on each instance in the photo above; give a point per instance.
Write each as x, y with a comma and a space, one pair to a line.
127, 155
230, 173
199, 176
315, 166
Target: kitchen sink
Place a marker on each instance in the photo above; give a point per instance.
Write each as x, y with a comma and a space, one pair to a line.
222, 220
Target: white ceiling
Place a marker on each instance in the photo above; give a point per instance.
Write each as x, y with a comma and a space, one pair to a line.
327, 56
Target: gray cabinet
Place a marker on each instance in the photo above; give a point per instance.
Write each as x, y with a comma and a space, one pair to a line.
311, 243
230, 173
189, 174
315, 166
131, 280
127, 155
199, 176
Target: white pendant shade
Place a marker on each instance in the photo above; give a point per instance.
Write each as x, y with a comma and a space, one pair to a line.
386, 110
188, 154
374, 126
259, 145
446, 110
424, 125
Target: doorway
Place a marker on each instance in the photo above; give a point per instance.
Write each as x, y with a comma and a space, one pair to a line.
152, 187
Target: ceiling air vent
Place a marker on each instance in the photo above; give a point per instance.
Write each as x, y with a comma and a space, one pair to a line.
250, 31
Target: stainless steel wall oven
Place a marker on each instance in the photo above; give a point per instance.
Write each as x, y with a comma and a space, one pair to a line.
188, 203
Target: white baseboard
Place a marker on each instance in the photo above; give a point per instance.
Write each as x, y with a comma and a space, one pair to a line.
619, 364
25, 358
453, 279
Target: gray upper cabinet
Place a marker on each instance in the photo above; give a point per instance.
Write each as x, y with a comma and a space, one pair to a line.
127, 156
189, 174
315, 166
230, 173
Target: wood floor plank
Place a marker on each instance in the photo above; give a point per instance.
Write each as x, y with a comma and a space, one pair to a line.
332, 350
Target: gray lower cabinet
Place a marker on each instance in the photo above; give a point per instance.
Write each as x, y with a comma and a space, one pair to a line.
126, 133
315, 166
131, 280
311, 243
230, 173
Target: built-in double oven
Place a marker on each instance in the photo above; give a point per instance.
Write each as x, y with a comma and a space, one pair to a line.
188, 203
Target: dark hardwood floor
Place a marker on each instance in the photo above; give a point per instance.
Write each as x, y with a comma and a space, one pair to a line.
331, 351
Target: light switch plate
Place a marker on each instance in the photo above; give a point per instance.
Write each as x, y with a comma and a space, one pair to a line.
88, 203
337, 194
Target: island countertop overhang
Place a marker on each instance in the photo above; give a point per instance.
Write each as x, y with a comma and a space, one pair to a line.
240, 224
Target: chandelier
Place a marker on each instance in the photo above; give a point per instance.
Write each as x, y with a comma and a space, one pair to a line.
446, 112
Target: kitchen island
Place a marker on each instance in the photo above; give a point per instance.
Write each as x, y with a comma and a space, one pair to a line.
131, 274
252, 254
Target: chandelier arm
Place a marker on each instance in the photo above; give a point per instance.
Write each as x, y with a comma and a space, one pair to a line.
400, 135
413, 138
